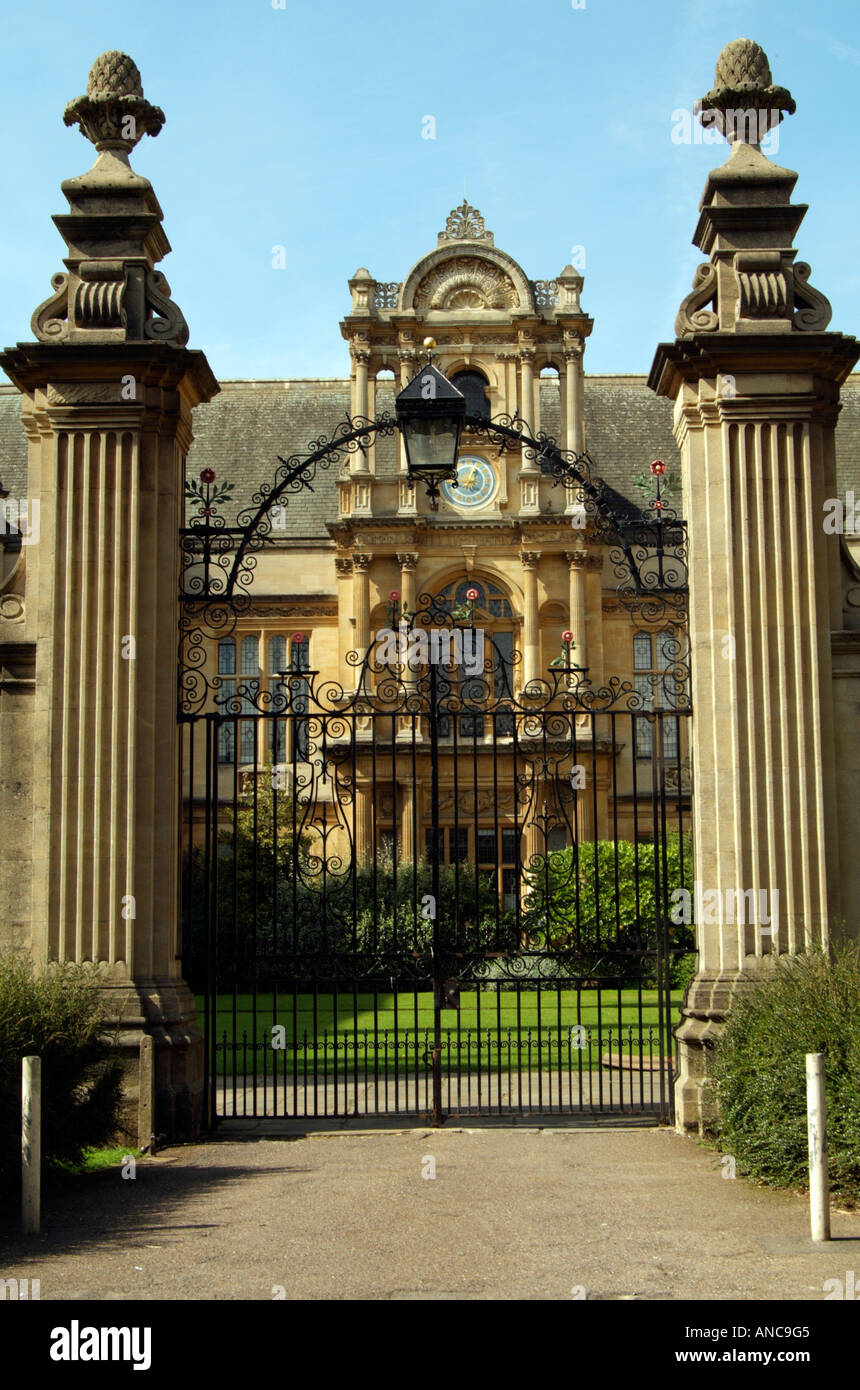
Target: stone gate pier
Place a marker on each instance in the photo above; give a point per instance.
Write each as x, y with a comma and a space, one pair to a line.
755, 376
108, 388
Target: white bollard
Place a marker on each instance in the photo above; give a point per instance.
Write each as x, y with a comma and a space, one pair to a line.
31, 1145
816, 1119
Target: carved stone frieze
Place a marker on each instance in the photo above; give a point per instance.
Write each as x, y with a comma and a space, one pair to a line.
85, 393
464, 802
295, 610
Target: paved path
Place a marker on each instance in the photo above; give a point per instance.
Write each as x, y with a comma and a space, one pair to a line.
511, 1213
633, 1091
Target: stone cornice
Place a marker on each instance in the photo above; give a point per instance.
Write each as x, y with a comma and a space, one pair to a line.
828, 356
35, 366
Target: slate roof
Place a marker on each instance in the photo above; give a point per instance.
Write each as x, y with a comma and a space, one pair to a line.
243, 430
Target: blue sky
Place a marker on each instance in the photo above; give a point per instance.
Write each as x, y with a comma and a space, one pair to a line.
302, 127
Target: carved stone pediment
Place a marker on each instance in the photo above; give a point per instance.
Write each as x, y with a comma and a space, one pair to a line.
466, 282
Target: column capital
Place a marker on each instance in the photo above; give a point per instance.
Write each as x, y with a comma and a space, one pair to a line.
530, 559
362, 561
577, 559
343, 566
407, 560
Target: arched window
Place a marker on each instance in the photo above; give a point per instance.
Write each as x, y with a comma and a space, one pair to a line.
492, 614
473, 385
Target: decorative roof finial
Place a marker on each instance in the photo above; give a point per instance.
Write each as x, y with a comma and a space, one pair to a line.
744, 104
114, 114
465, 223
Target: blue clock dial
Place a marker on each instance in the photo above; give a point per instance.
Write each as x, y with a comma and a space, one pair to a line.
476, 485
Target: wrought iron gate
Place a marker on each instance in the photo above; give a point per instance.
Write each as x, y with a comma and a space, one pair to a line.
433, 889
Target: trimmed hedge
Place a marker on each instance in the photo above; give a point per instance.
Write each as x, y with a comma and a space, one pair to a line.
55, 1014
811, 1005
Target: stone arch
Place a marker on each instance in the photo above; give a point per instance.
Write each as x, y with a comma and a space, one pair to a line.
483, 574
457, 266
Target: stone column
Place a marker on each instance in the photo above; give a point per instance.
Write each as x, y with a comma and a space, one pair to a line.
108, 391
363, 795
594, 617
529, 477
362, 478
755, 380
408, 562
345, 630
407, 497
361, 600
531, 632
527, 369
576, 560
573, 348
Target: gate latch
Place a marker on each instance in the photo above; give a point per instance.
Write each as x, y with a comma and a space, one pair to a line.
449, 994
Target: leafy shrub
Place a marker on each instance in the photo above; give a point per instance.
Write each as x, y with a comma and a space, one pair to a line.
55, 1014
811, 1005
605, 895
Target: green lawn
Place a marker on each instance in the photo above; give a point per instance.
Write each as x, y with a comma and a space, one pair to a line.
387, 1032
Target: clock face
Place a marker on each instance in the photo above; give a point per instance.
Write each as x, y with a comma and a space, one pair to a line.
476, 485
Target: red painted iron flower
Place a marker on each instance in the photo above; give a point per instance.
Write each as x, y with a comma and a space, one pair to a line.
658, 468
567, 636
394, 596
471, 595
207, 475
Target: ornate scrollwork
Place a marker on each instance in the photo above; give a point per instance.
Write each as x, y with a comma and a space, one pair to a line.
817, 311
693, 317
